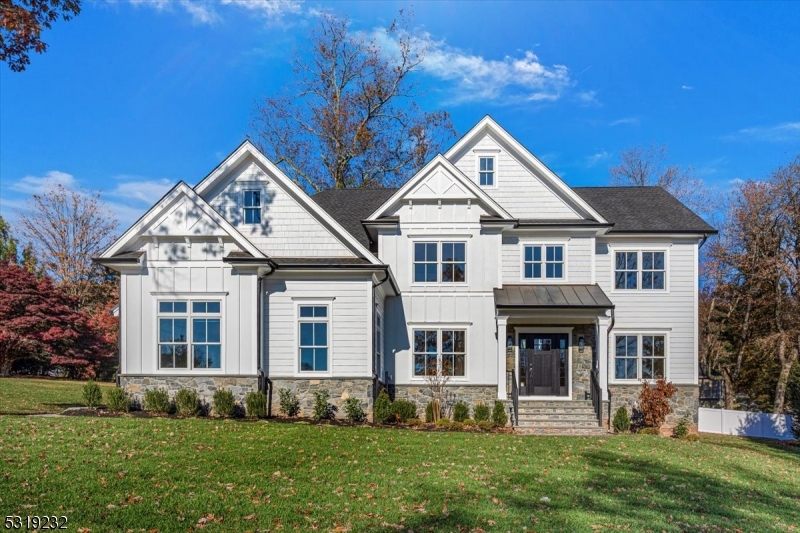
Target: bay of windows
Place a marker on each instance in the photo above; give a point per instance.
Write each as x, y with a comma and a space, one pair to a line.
543, 262
640, 269
313, 345
640, 357
185, 330
440, 350
444, 262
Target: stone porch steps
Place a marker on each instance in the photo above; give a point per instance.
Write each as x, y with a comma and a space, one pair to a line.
558, 418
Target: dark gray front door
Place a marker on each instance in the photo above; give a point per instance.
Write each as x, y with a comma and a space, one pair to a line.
543, 364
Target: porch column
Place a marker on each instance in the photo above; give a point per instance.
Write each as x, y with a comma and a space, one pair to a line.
502, 323
603, 363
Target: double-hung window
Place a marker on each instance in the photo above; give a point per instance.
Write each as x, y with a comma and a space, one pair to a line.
646, 270
313, 334
444, 262
378, 340
440, 351
252, 207
486, 171
640, 357
543, 261
186, 328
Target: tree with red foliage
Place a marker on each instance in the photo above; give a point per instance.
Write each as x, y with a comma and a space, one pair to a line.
39, 320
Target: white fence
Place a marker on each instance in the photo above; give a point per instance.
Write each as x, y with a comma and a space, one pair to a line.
745, 423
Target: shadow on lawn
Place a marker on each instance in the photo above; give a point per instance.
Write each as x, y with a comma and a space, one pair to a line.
618, 489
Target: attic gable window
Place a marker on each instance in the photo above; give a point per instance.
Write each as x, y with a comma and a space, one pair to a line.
486, 169
252, 207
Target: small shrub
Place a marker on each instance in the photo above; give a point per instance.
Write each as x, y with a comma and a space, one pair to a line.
460, 412
157, 401
322, 409
289, 404
681, 430
414, 422
443, 423
499, 416
429, 413
470, 423
481, 412
256, 403
622, 422
692, 437
187, 402
224, 403
648, 431
485, 425
92, 395
117, 400
353, 410
402, 410
654, 402
382, 410
458, 426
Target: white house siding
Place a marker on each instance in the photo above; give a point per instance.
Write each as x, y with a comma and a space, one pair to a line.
188, 280
350, 300
673, 311
579, 249
286, 229
518, 190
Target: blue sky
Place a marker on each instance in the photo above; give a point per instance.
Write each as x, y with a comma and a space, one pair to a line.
133, 96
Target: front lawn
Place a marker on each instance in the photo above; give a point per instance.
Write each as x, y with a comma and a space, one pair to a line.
41, 395
115, 474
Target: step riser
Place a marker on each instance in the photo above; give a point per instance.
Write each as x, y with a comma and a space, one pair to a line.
577, 412
557, 432
558, 424
558, 418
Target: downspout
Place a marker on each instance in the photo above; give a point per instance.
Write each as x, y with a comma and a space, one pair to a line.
705, 238
262, 382
375, 375
608, 355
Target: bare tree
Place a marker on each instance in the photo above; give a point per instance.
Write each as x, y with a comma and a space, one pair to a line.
68, 228
646, 166
351, 120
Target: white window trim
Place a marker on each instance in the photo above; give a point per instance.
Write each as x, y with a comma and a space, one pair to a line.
189, 298
568, 331
612, 379
439, 327
523, 279
493, 154
308, 302
639, 249
379, 346
438, 240
260, 206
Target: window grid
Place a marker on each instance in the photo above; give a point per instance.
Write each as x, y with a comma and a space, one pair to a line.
627, 357
626, 270
442, 351
440, 262
640, 357
177, 326
252, 207
454, 262
487, 171
313, 345
426, 262
551, 266
653, 270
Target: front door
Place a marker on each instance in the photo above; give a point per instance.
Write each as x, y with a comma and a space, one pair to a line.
543, 364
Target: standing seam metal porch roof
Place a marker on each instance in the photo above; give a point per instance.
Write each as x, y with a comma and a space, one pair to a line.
552, 297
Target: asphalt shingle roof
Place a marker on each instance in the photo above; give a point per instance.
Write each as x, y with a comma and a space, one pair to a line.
349, 207
643, 210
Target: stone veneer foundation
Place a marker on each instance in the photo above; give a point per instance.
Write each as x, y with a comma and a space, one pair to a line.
471, 394
686, 401
205, 386
339, 390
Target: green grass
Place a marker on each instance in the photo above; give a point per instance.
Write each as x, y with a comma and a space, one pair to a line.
40, 395
116, 474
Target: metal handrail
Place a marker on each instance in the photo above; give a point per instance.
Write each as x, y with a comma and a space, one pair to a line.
597, 397
514, 398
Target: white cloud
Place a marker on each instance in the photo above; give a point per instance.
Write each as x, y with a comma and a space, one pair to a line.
205, 12
627, 121
785, 132
687, 87
588, 98
38, 184
144, 190
272, 9
475, 78
597, 157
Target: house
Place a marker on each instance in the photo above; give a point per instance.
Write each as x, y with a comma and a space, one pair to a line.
485, 265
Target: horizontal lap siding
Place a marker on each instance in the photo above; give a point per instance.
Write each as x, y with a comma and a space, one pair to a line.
286, 228
643, 310
520, 192
351, 314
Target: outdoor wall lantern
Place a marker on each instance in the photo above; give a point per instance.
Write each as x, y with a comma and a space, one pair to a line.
510, 341
581, 343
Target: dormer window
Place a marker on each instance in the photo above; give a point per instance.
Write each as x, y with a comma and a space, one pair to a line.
252, 207
486, 170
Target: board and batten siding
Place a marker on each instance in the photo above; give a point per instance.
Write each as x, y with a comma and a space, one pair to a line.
517, 189
673, 311
286, 229
213, 280
350, 324
578, 254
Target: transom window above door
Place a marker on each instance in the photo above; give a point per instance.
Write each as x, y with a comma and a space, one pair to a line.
440, 262
543, 261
